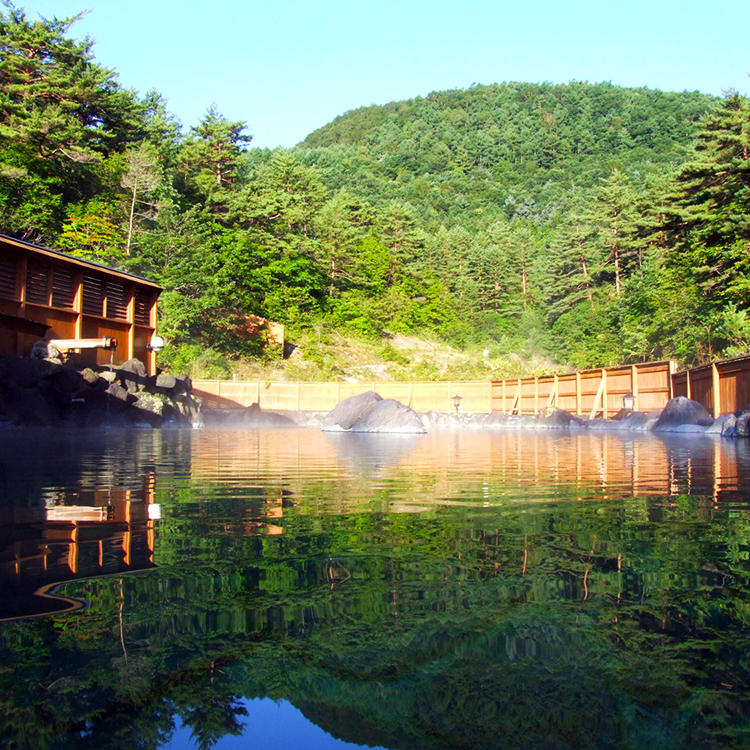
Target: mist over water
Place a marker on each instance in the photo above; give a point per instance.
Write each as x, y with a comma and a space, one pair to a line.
475, 589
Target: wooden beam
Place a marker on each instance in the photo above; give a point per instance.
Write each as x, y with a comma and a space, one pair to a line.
515, 400
579, 409
552, 394
605, 399
598, 398
536, 395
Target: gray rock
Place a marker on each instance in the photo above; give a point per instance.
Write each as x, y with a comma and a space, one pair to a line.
132, 374
729, 429
46, 350
718, 425
345, 414
601, 424
255, 417
680, 411
117, 392
688, 428
165, 381
153, 403
743, 424
388, 415
633, 422
496, 419
558, 419
91, 377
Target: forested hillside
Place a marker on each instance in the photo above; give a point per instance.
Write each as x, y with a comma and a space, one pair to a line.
584, 223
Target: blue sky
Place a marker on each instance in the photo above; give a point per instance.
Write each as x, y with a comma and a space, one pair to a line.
288, 67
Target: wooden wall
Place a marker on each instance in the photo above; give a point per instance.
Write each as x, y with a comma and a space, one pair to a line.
75, 299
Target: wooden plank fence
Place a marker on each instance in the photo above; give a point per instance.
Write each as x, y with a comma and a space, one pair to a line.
586, 393
722, 387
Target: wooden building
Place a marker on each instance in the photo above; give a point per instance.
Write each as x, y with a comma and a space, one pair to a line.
46, 294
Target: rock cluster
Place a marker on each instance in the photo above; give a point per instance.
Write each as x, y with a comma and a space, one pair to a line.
43, 392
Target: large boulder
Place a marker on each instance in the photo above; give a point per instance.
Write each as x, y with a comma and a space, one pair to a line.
389, 415
680, 411
345, 414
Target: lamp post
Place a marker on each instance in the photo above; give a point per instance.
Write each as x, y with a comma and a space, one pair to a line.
628, 402
456, 402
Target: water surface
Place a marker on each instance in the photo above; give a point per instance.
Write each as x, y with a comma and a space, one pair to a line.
454, 590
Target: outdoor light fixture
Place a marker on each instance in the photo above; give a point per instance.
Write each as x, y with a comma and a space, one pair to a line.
156, 344
457, 402
628, 402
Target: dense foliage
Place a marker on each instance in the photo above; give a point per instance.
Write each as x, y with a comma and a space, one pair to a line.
584, 222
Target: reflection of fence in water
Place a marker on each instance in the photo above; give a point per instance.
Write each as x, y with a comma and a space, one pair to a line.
585, 464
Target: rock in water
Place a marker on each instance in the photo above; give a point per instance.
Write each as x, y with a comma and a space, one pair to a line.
388, 415
679, 411
344, 415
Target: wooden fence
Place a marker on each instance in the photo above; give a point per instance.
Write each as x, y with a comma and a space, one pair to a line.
588, 392
722, 387
476, 397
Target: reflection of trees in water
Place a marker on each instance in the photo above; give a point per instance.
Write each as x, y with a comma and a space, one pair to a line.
580, 624
537, 621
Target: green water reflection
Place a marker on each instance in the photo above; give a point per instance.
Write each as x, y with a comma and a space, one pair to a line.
453, 591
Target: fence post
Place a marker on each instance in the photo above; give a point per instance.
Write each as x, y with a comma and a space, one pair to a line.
450, 401
716, 387
218, 394
605, 405
579, 409
504, 405
687, 383
536, 395
298, 396
634, 385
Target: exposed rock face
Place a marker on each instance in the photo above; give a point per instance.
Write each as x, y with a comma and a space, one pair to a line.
345, 414
38, 392
388, 415
681, 411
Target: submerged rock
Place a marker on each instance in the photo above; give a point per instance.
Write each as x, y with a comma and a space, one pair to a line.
345, 414
389, 415
681, 411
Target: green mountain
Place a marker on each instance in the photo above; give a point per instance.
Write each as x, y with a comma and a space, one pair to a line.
462, 156
582, 224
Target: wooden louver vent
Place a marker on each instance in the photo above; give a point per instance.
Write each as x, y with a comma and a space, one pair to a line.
142, 307
63, 290
8, 276
93, 298
117, 306
37, 278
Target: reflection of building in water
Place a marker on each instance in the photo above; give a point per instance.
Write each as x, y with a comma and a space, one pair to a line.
436, 468
41, 547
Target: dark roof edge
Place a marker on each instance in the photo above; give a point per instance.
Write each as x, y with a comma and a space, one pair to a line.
81, 261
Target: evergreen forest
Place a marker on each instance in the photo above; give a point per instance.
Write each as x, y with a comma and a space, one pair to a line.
583, 223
